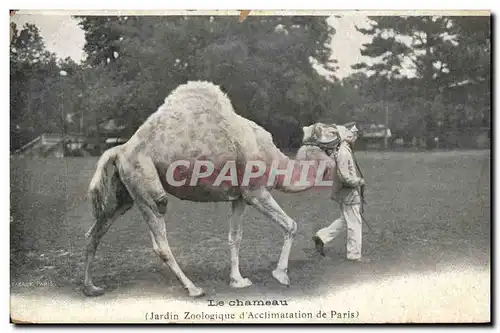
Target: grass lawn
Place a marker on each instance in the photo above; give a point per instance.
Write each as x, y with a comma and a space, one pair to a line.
427, 211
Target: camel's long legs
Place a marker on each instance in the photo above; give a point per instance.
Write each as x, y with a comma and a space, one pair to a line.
234, 237
95, 234
262, 200
158, 234
145, 187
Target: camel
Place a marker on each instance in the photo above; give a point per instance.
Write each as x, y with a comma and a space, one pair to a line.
195, 123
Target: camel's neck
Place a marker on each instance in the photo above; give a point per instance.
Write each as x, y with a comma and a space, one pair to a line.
302, 173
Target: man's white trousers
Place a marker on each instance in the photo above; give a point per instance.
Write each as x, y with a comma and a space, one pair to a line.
351, 218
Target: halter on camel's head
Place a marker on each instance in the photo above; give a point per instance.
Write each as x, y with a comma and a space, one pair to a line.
324, 136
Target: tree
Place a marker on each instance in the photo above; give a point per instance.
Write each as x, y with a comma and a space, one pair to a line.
264, 64
275, 56
45, 91
472, 57
429, 47
31, 67
101, 36
402, 43
470, 70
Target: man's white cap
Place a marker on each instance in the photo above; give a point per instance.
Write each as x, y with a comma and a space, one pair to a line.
347, 131
351, 127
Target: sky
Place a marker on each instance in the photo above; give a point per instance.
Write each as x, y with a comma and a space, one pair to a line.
63, 36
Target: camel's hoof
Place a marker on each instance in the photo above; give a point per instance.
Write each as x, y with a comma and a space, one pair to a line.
281, 277
241, 283
92, 291
196, 292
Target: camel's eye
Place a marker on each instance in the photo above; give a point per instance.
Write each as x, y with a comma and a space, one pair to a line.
332, 131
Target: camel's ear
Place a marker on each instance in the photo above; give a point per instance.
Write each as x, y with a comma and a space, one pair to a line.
318, 131
307, 132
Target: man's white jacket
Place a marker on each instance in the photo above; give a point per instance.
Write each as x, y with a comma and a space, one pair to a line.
347, 189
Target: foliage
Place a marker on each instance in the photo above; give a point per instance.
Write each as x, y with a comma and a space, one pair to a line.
35, 87
264, 64
423, 75
441, 53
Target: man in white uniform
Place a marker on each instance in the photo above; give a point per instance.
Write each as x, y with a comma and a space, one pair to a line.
349, 196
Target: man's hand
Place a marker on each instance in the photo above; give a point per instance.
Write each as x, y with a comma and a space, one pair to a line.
362, 182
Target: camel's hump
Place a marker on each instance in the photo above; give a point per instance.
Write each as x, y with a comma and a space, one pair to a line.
196, 97
197, 87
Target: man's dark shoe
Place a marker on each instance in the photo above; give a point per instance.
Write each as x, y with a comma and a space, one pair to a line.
319, 245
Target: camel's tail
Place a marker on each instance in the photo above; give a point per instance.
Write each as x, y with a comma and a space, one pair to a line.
105, 190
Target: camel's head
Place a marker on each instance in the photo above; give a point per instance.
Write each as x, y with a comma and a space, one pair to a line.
322, 134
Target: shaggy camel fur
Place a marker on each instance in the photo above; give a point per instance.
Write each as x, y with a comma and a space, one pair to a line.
197, 123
